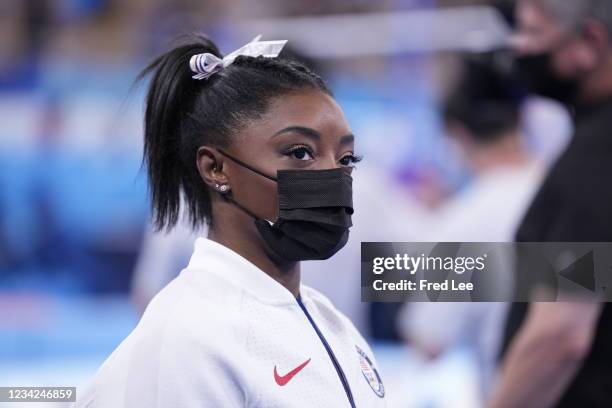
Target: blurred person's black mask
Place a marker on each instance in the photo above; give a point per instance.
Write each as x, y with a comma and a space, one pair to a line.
314, 213
537, 75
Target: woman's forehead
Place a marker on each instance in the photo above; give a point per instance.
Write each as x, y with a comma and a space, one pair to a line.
314, 109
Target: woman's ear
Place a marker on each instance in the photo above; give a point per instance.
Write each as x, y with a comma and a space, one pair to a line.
211, 167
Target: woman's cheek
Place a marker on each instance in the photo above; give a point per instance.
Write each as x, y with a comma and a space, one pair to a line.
261, 198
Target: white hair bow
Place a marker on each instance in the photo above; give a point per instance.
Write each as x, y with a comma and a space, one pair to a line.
206, 64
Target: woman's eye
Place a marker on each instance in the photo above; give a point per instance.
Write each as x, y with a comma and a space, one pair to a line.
350, 160
301, 153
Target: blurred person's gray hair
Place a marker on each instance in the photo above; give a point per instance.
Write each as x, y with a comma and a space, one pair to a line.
574, 12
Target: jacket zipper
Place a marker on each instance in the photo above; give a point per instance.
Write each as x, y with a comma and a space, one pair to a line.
339, 371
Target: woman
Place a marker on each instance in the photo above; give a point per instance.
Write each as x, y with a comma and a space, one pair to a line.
258, 149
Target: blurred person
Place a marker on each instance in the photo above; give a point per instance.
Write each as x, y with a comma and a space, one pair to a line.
546, 124
547, 127
248, 139
483, 117
560, 354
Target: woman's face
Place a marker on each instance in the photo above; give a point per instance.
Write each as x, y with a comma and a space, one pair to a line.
301, 131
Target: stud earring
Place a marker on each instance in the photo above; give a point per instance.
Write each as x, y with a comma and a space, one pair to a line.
222, 188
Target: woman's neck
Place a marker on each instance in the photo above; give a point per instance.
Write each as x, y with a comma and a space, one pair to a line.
285, 273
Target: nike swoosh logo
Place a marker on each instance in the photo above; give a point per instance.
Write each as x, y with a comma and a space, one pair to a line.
284, 379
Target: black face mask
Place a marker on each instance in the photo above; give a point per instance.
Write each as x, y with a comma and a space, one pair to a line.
538, 76
314, 213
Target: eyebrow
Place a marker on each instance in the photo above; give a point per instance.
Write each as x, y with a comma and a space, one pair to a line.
313, 134
350, 138
308, 132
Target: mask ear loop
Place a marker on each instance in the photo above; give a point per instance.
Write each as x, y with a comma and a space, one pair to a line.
230, 199
227, 196
246, 166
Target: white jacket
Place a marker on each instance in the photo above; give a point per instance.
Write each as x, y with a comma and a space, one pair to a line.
225, 334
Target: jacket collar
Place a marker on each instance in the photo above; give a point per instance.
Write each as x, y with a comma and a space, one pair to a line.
210, 257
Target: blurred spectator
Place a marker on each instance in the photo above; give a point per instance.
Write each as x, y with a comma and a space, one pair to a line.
483, 118
559, 354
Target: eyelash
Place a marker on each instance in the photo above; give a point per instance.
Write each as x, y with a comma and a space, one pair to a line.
298, 148
353, 159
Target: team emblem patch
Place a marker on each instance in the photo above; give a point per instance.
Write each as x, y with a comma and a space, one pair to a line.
370, 374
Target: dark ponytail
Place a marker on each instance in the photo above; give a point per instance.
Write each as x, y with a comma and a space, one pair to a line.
183, 114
